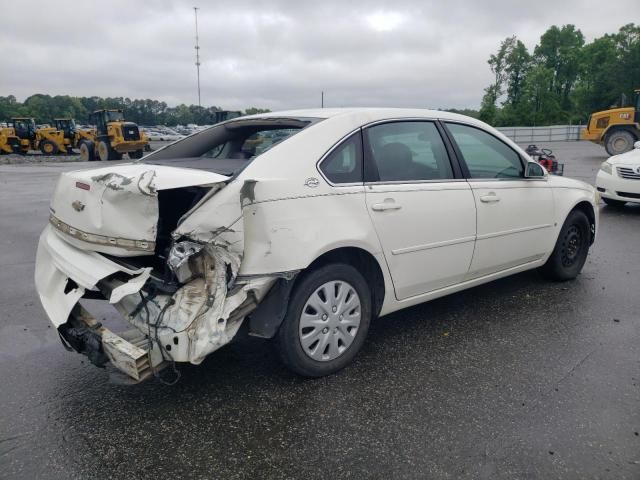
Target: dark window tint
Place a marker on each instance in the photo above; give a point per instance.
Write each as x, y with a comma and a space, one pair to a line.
484, 154
408, 151
344, 163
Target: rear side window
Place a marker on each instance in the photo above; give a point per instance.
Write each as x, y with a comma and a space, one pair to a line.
407, 151
344, 163
485, 155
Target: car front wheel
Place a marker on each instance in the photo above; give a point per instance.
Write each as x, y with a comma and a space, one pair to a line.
570, 253
326, 322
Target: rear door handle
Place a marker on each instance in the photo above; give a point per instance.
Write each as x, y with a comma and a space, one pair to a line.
489, 198
388, 204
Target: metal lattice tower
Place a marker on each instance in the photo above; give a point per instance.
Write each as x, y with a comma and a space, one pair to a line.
195, 9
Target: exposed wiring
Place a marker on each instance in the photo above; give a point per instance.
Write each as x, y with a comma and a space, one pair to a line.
166, 355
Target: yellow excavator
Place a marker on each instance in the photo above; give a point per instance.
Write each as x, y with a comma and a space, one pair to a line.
111, 137
22, 135
617, 129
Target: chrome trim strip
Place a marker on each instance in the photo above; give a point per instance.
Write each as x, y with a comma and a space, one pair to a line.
128, 244
507, 179
513, 231
428, 246
413, 182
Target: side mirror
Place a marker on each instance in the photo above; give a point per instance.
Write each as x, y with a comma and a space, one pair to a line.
534, 170
637, 144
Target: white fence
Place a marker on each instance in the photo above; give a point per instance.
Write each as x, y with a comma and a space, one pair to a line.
554, 133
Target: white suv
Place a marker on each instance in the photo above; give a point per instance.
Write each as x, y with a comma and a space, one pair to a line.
300, 226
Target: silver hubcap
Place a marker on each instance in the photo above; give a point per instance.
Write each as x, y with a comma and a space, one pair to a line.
330, 320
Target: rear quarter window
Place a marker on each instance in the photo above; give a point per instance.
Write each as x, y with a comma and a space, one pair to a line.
344, 163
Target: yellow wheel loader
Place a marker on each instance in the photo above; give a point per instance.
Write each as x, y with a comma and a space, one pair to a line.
616, 129
111, 138
70, 133
9, 143
48, 140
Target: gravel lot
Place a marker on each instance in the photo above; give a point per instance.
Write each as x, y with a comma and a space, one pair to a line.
519, 378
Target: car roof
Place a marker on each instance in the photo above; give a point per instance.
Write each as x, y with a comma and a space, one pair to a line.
372, 113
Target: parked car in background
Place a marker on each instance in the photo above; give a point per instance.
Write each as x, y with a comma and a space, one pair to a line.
302, 226
618, 179
162, 134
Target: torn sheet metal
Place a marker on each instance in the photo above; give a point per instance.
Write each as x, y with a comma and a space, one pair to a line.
204, 314
179, 257
225, 226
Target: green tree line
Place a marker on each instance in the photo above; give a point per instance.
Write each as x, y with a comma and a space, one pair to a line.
44, 108
564, 79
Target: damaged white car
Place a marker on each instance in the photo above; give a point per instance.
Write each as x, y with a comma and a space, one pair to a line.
300, 226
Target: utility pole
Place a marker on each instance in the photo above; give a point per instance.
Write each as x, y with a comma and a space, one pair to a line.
195, 10
322, 99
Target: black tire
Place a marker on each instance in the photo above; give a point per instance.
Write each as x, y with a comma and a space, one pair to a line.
87, 151
570, 253
103, 151
136, 154
106, 153
618, 142
47, 147
288, 340
614, 203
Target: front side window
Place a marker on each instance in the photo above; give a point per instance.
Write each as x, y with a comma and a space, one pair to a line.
344, 163
485, 155
407, 151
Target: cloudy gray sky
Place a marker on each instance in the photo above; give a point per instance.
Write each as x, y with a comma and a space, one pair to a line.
281, 53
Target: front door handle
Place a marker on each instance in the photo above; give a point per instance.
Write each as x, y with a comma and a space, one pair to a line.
388, 204
489, 198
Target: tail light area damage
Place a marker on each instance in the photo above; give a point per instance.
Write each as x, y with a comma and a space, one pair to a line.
180, 314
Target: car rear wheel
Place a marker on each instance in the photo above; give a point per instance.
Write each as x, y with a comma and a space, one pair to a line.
326, 322
613, 203
570, 253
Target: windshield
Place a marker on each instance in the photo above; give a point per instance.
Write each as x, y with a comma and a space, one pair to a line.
229, 147
114, 116
24, 124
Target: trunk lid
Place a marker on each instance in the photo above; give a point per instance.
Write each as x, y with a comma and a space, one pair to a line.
115, 210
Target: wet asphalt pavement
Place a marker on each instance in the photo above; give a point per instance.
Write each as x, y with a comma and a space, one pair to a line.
519, 378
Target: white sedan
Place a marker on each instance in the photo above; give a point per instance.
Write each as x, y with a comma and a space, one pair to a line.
300, 226
618, 180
